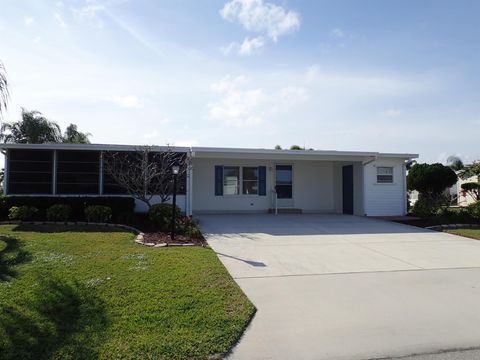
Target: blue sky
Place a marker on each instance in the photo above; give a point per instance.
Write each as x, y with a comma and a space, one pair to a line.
393, 76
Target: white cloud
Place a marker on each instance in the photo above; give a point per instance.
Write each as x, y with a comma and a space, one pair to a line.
261, 17
337, 33
238, 106
128, 101
60, 20
249, 46
90, 13
242, 104
391, 112
186, 143
29, 20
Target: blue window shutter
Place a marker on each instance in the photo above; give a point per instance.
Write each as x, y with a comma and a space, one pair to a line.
218, 180
262, 180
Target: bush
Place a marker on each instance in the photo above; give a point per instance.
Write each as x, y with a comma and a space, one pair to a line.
427, 206
23, 213
59, 212
119, 205
188, 226
161, 215
474, 210
98, 213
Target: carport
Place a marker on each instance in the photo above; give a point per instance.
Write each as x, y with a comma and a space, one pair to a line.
347, 287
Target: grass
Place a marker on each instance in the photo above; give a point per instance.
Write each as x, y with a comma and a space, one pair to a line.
83, 293
470, 233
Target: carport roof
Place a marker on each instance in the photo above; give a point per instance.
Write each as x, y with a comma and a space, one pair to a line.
211, 152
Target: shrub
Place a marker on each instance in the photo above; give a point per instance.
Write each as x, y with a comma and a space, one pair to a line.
427, 206
161, 215
23, 213
118, 204
474, 210
188, 226
59, 212
98, 213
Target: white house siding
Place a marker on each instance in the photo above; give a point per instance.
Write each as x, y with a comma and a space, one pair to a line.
312, 187
385, 199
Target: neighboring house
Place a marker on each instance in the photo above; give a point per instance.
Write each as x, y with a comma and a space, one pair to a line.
222, 180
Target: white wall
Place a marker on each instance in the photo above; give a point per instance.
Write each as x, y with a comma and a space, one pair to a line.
312, 187
385, 199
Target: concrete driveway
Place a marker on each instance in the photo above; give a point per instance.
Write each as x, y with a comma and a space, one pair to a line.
346, 287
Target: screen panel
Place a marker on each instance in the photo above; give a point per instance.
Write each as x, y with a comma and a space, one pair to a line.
30, 171
78, 172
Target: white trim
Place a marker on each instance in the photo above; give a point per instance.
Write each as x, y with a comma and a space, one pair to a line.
100, 174
91, 147
6, 172
205, 151
404, 177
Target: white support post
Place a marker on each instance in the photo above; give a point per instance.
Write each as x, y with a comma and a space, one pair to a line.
189, 195
6, 172
405, 197
100, 175
54, 173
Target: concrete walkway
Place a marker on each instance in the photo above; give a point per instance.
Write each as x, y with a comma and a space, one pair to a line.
345, 287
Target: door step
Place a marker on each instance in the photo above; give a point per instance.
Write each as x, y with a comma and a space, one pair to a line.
286, 211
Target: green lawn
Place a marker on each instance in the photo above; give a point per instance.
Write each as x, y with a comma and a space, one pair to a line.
471, 233
84, 293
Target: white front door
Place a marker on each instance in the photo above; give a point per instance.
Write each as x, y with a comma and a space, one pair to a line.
284, 185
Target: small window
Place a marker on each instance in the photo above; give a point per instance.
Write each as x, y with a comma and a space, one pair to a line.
231, 180
384, 175
250, 180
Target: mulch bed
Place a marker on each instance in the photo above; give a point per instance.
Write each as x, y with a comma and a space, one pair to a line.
423, 223
161, 238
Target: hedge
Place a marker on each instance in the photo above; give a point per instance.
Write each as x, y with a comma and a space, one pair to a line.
120, 206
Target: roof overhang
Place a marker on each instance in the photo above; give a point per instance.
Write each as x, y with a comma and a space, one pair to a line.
91, 147
240, 153
225, 153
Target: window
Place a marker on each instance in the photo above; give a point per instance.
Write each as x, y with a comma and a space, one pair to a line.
231, 180
250, 180
384, 175
283, 181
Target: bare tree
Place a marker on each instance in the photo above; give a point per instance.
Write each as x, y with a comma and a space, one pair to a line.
144, 173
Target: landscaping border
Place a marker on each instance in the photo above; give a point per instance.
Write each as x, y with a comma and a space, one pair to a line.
139, 238
453, 226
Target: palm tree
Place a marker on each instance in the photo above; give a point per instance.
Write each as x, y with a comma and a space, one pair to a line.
3, 89
34, 128
73, 136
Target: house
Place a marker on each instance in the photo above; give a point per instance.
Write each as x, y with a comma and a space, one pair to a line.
463, 198
226, 179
